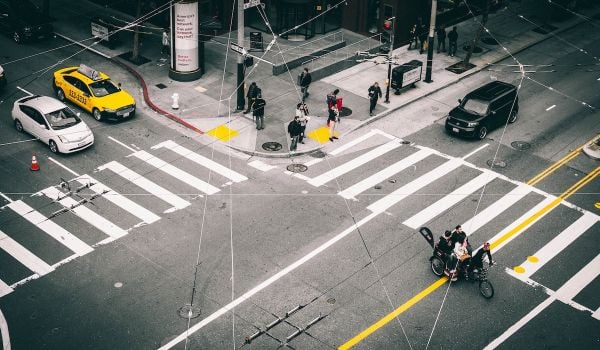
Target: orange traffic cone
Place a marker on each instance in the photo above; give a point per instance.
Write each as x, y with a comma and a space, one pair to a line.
34, 164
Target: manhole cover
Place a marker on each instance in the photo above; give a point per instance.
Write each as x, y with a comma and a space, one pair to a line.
477, 49
331, 301
161, 86
188, 311
496, 163
489, 41
297, 168
345, 112
520, 145
318, 154
271, 146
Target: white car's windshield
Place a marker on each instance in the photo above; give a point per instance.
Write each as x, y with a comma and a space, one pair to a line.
62, 118
476, 106
104, 87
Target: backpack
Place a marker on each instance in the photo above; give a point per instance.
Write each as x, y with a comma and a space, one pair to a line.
331, 100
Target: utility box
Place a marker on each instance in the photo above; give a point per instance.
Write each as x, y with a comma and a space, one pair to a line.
406, 74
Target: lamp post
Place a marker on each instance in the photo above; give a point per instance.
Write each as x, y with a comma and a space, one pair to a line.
430, 42
389, 26
240, 59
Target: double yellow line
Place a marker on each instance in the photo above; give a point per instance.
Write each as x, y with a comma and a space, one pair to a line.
516, 230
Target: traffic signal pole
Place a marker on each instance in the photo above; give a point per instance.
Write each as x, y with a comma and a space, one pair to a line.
430, 42
240, 58
389, 75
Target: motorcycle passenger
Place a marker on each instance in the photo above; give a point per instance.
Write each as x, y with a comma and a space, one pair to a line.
458, 235
445, 243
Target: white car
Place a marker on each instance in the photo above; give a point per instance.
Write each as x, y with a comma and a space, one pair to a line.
53, 123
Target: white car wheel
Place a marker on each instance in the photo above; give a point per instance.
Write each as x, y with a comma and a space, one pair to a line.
53, 146
18, 125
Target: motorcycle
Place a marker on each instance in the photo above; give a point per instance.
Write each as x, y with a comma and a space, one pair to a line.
438, 261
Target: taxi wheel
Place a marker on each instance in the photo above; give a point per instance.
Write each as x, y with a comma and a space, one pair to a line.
18, 125
97, 115
60, 94
482, 133
16, 37
53, 147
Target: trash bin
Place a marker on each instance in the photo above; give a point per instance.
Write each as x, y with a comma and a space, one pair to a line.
406, 74
339, 104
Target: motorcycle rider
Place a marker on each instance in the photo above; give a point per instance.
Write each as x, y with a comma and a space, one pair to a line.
477, 260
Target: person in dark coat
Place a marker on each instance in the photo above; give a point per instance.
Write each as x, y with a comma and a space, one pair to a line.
422, 33
412, 37
374, 95
452, 42
305, 80
441, 39
258, 111
254, 92
294, 129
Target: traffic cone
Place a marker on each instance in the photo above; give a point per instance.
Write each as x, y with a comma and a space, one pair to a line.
34, 164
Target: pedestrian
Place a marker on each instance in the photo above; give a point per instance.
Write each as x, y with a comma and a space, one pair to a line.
165, 42
412, 36
452, 39
305, 80
374, 95
332, 100
422, 33
441, 39
334, 118
294, 129
258, 112
302, 114
254, 92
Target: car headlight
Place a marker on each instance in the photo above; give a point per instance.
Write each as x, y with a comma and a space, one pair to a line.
469, 124
63, 139
108, 110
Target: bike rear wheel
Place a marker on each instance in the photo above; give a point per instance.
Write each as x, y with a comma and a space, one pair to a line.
486, 289
437, 266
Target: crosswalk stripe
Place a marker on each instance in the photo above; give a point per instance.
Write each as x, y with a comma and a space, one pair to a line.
147, 185
51, 228
557, 244
4, 289
449, 200
85, 213
23, 255
123, 202
386, 202
353, 143
176, 172
355, 163
199, 159
496, 208
376, 178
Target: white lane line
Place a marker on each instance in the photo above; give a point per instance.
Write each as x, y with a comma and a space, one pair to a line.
205, 162
25, 91
384, 174
262, 166
176, 172
122, 144
565, 294
353, 143
449, 200
62, 166
4, 332
496, 208
23, 255
549, 108
123, 202
391, 199
475, 151
51, 228
596, 314
5, 289
85, 213
354, 163
5, 197
266, 283
557, 244
147, 185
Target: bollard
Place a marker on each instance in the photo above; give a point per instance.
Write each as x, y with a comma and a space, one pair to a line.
175, 98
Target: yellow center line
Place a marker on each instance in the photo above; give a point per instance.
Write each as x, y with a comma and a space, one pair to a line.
555, 166
516, 230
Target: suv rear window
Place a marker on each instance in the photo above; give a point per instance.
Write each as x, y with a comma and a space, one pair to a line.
476, 106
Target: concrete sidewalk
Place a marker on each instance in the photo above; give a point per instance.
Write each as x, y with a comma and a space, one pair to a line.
207, 105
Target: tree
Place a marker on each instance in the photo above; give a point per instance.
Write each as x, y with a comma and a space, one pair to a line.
135, 54
484, 19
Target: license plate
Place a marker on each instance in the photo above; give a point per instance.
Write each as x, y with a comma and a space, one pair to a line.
455, 129
126, 115
81, 144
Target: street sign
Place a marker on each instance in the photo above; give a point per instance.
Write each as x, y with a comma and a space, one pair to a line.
251, 3
237, 48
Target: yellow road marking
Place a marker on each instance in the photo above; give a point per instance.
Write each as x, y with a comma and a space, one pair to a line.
222, 132
321, 134
597, 205
554, 166
516, 230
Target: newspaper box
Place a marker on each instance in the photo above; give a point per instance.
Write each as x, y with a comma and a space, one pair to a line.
406, 74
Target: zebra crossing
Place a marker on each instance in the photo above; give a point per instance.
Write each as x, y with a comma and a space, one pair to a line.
71, 197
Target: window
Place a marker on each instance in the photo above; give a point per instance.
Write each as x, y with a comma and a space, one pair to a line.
33, 114
62, 118
104, 87
476, 106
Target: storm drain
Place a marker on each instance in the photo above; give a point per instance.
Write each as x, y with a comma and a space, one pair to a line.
345, 112
496, 163
161, 86
271, 146
317, 154
297, 168
520, 145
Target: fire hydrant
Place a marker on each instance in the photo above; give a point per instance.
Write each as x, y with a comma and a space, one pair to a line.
175, 98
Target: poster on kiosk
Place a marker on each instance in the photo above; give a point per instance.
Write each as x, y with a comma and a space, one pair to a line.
184, 41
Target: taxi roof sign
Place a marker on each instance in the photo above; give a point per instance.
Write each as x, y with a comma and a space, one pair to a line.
89, 72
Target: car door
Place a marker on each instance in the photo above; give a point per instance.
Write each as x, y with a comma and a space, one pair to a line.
36, 124
495, 113
88, 99
75, 92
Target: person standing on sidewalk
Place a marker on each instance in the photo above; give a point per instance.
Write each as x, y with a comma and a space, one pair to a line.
165, 42
452, 40
294, 129
258, 111
332, 100
412, 37
334, 118
441, 39
305, 80
422, 33
374, 95
254, 92
302, 114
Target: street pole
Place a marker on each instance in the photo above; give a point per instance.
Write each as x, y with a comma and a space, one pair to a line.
430, 42
240, 58
389, 75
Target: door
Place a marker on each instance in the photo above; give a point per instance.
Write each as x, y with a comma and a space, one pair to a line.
34, 123
500, 110
75, 91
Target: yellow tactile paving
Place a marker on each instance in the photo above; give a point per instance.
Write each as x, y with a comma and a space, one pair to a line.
533, 259
321, 135
223, 133
519, 269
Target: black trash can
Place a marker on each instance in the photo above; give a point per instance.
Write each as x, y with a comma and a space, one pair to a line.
406, 74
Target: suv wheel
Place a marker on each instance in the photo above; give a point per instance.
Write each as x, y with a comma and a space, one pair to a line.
513, 116
16, 37
60, 94
53, 147
97, 115
18, 125
482, 133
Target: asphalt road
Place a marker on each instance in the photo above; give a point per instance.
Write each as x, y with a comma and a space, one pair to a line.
338, 241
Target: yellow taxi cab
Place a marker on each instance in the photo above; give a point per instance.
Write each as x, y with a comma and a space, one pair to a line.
93, 91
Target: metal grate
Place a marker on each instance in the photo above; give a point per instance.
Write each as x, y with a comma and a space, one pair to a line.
271, 146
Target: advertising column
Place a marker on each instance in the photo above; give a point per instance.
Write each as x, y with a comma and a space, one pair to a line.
185, 64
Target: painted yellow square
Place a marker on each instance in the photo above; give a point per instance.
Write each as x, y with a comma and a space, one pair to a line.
223, 133
321, 135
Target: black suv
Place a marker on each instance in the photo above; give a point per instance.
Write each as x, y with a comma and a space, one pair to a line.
22, 20
484, 109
